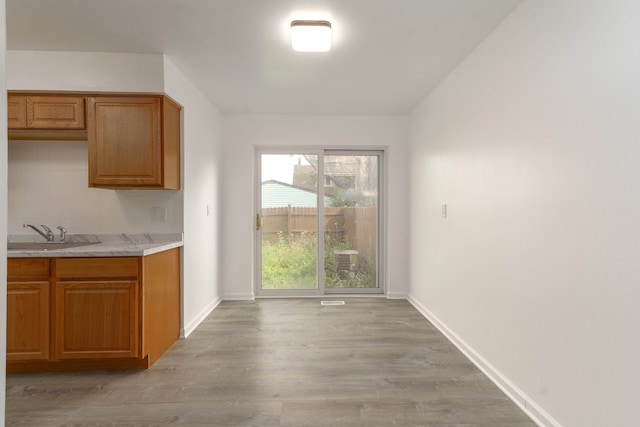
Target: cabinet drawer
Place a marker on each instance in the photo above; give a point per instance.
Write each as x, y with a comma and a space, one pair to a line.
96, 268
27, 269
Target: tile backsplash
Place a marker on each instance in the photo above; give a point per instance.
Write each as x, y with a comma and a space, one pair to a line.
48, 184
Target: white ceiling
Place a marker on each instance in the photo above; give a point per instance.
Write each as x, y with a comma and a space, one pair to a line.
387, 54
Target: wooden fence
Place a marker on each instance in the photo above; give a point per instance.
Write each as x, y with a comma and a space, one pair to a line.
353, 225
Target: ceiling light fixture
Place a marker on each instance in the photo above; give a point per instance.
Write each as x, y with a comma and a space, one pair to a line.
311, 36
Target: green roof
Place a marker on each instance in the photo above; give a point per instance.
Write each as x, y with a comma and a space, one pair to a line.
276, 194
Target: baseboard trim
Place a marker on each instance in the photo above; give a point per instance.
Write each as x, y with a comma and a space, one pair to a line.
396, 295
193, 324
239, 297
524, 402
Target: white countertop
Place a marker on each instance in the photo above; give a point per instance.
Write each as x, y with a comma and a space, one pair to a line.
106, 245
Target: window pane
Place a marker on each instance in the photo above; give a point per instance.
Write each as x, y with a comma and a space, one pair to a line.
289, 221
351, 221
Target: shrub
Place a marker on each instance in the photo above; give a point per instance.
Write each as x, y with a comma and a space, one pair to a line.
290, 263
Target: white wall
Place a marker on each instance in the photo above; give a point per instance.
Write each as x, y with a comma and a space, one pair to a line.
202, 166
3, 211
532, 142
242, 133
84, 71
48, 179
48, 185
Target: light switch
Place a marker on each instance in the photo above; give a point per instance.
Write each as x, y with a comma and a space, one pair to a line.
208, 210
444, 210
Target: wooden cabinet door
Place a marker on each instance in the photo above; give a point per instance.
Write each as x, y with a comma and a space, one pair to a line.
55, 112
125, 141
45, 112
16, 111
28, 320
28, 308
97, 319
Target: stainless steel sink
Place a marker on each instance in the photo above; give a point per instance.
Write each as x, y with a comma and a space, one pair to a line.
48, 246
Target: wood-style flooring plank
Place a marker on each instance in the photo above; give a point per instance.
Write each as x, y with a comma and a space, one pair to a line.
282, 362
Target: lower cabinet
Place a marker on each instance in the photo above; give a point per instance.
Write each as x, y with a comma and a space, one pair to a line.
91, 313
28, 315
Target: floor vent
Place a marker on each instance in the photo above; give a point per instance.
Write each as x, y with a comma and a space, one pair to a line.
331, 302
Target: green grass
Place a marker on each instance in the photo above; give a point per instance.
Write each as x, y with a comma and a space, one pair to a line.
291, 264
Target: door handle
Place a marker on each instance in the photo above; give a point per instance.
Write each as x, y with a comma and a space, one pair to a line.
258, 222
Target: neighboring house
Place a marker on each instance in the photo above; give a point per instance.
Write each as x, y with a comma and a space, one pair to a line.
348, 173
276, 194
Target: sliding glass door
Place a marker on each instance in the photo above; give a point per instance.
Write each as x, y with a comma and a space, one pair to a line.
302, 195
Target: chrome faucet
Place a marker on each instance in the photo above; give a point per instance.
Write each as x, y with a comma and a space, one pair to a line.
63, 233
47, 233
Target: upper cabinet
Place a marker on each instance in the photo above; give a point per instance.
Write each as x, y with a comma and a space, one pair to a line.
17, 112
134, 142
48, 116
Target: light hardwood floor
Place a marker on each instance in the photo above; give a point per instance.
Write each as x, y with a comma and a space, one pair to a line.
282, 362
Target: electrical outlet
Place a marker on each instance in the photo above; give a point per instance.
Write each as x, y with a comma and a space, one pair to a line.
159, 213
